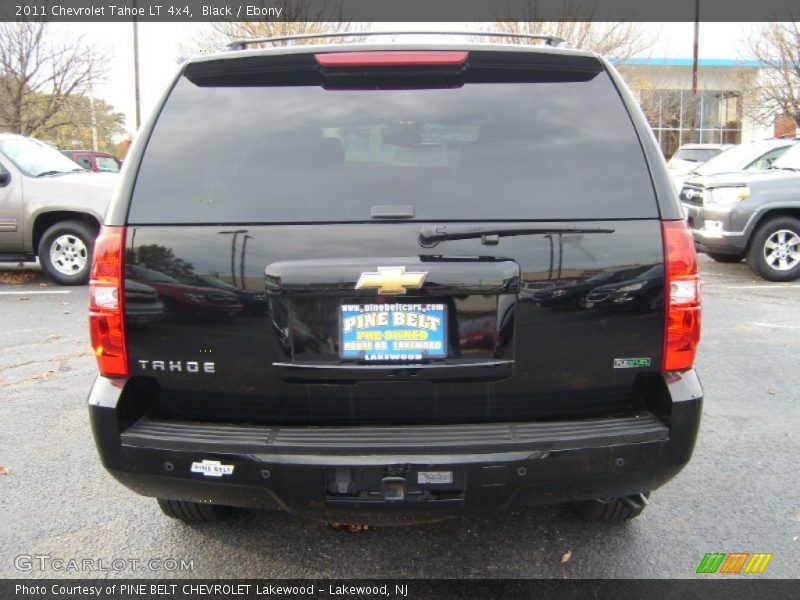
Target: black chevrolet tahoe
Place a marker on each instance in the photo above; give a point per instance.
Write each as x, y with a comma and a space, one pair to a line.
416, 247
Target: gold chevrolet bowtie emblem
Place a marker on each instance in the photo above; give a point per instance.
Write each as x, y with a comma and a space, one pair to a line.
391, 280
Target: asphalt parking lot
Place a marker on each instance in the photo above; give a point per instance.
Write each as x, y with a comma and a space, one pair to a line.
740, 493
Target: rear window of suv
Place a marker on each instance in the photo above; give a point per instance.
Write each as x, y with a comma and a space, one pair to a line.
541, 148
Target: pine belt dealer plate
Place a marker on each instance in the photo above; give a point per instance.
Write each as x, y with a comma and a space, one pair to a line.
393, 332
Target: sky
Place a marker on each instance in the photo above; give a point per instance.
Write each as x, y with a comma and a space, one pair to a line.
160, 49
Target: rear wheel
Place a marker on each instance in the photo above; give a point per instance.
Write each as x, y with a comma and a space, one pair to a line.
725, 258
611, 510
65, 252
774, 252
193, 512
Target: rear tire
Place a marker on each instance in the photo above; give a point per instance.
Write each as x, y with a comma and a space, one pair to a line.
725, 258
774, 252
65, 252
611, 510
193, 512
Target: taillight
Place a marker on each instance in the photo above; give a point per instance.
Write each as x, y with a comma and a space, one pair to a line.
682, 313
392, 58
107, 303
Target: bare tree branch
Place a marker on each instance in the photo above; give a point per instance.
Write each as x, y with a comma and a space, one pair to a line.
576, 26
776, 46
617, 40
40, 76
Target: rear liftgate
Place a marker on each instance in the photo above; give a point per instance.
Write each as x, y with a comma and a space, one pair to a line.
398, 319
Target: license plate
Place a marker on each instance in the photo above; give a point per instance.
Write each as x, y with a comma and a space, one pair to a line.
393, 332
435, 477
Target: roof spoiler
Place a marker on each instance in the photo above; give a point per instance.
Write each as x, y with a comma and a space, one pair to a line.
548, 40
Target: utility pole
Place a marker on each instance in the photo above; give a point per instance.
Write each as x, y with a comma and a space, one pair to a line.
241, 260
136, 70
694, 69
234, 234
93, 115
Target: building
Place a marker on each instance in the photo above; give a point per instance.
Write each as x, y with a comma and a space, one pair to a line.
726, 95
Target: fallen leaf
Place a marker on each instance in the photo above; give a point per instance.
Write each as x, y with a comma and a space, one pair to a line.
22, 276
349, 527
566, 556
3, 470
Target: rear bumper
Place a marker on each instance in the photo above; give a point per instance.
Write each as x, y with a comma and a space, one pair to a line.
322, 471
723, 242
713, 231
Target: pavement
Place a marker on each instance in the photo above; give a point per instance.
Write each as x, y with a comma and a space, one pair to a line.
738, 494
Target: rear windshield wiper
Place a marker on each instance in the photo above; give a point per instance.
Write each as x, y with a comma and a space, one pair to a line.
430, 236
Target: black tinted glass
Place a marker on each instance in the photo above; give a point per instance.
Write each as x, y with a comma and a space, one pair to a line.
484, 151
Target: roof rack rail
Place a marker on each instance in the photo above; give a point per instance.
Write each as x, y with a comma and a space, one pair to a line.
549, 40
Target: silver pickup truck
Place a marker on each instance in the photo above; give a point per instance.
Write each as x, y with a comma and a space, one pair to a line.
50, 208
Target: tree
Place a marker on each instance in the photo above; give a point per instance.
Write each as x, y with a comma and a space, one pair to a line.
776, 46
661, 103
110, 125
42, 79
616, 40
159, 258
575, 24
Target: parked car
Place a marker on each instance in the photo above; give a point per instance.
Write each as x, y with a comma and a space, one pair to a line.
755, 156
645, 292
186, 301
142, 304
294, 336
750, 214
92, 160
49, 208
254, 302
387, 194
572, 293
690, 156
